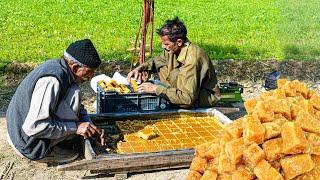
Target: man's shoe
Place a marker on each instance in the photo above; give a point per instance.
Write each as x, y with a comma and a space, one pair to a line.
60, 155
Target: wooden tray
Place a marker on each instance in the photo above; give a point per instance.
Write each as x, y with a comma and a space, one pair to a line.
139, 162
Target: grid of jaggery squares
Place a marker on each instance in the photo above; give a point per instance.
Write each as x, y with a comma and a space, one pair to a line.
174, 133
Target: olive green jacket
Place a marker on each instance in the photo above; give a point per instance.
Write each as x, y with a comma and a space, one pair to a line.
191, 77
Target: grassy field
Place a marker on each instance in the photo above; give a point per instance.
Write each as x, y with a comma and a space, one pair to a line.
227, 29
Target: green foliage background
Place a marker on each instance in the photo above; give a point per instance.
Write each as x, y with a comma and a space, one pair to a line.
32, 31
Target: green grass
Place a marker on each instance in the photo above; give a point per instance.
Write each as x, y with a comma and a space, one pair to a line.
231, 29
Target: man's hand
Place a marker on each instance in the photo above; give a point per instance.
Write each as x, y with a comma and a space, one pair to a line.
147, 87
138, 74
88, 130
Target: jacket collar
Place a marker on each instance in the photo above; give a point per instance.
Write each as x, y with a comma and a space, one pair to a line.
183, 53
67, 69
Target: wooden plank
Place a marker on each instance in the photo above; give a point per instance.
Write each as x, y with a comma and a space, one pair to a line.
134, 162
224, 110
227, 110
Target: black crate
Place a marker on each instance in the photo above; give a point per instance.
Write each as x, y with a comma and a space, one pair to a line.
108, 102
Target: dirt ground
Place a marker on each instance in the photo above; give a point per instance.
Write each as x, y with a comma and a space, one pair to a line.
14, 167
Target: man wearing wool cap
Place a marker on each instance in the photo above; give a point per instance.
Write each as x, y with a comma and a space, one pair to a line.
45, 117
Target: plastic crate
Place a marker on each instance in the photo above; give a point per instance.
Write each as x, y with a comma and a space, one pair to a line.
108, 102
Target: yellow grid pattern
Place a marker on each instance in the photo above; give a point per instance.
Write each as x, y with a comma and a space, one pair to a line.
174, 133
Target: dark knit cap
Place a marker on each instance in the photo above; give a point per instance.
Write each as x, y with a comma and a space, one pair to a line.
84, 52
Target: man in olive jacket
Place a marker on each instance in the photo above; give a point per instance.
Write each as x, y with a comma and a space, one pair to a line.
184, 68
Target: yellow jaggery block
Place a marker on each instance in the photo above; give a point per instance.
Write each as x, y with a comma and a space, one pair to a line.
200, 150
134, 85
315, 102
301, 88
307, 106
225, 137
198, 164
252, 155
124, 89
293, 138
234, 150
235, 128
250, 105
290, 89
193, 175
272, 130
224, 176
264, 111
296, 165
279, 119
314, 143
314, 173
265, 96
308, 122
147, 133
279, 94
209, 175
242, 173
272, 149
213, 164
225, 165
253, 131
264, 171
213, 150
281, 83
280, 106
276, 165
295, 109
311, 93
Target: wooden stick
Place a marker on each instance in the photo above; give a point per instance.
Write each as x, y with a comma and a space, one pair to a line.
134, 162
136, 42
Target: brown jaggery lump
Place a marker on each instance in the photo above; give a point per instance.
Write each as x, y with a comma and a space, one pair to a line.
278, 139
276, 165
264, 171
308, 122
198, 164
243, 173
253, 131
250, 105
263, 111
295, 165
213, 150
193, 175
315, 101
201, 149
225, 165
234, 150
252, 155
209, 175
293, 138
280, 106
272, 149
213, 164
272, 130
314, 143
314, 173
235, 129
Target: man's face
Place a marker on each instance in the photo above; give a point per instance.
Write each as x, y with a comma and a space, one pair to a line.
169, 46
83, 74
